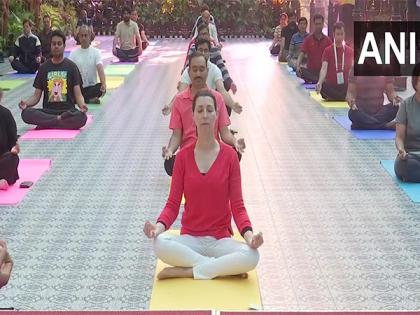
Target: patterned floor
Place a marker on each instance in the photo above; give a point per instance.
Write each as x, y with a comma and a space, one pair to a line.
340, 235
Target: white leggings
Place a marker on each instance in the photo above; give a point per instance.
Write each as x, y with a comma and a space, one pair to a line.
208, 256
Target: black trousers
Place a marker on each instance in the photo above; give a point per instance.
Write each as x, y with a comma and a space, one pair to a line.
131, 55
46, 120
333, 92
408, 170
377, 121
21, 67
9, 163
310, 76
275, 50
91, 92
169, 164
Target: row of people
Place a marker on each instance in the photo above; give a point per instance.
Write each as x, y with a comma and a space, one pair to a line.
206, 166
31, 50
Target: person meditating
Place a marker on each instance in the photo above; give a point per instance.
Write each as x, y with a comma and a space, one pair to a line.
214, 79
27, 51
337, 60
311, 50
181, 122
60, 81
9, 148
407, 141
144, 41
275, 45
89, 61
127, 36
6, 264
207, 172
365, 97
296, 43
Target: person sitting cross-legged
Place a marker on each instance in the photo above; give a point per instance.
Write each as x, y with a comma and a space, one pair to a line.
296, 43
181, 122
407, 141
337, 60
89, 61
9, 148
127, 36
60, 81
27, 51
365, 96
207, 172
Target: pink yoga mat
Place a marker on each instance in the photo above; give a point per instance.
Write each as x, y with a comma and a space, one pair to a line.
29, 170
54, 133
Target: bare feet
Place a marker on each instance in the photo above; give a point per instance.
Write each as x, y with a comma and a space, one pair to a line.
240, 276
3, 184
175, 272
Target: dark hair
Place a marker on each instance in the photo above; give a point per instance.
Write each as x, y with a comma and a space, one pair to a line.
133, 10
338, 26
126, 10
196, 54
284, 14
415, 76
46, 16
202, 41
59, 33
303, 19
27, 21
318, 17
292, 14
204, 93
204, 7
201, 27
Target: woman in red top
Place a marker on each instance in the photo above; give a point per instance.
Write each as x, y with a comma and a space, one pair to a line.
207, 172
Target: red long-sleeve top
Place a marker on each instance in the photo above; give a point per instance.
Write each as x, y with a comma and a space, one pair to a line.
210, 199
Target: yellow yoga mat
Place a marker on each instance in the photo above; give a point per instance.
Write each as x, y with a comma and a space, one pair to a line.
328, 104
114, 82
222, 293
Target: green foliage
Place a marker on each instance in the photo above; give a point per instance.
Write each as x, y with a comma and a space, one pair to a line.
63, 15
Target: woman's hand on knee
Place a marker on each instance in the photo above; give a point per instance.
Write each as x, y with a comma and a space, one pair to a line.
153, 230
254, 240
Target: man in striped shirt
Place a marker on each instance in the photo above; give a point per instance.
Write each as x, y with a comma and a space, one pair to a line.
296, 42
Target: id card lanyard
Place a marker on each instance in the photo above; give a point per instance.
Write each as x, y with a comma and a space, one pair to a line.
340, 75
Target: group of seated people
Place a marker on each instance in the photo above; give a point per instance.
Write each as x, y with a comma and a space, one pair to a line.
31, 50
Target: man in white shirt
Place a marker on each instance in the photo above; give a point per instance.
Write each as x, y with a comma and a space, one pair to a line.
88, 60
214, 80
127, 36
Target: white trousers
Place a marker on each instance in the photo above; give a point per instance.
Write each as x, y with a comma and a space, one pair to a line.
208, 256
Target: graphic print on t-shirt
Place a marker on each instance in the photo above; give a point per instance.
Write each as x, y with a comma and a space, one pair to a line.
57, 86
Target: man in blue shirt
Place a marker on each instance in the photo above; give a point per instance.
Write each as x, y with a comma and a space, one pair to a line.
296, 42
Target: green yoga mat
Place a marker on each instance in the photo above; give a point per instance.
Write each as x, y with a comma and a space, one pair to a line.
119, 70
7, 85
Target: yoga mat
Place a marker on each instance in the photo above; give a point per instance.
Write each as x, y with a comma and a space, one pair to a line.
14, 75
58, 134
411, 189
309, 86
6, 85
29, 170
328, 104
345, 122
113, 82
228, 293
118, 70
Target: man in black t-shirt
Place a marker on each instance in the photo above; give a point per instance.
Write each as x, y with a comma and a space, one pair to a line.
60, 81
9, 148
286, 36
135, 17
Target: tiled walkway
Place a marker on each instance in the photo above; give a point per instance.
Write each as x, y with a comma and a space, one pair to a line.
339, 233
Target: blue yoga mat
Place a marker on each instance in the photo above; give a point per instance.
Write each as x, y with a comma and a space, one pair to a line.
309, 86
411, 189
345, 122
14, 75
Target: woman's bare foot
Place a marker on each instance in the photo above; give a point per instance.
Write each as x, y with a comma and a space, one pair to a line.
240, 276
3, 184
175, 272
